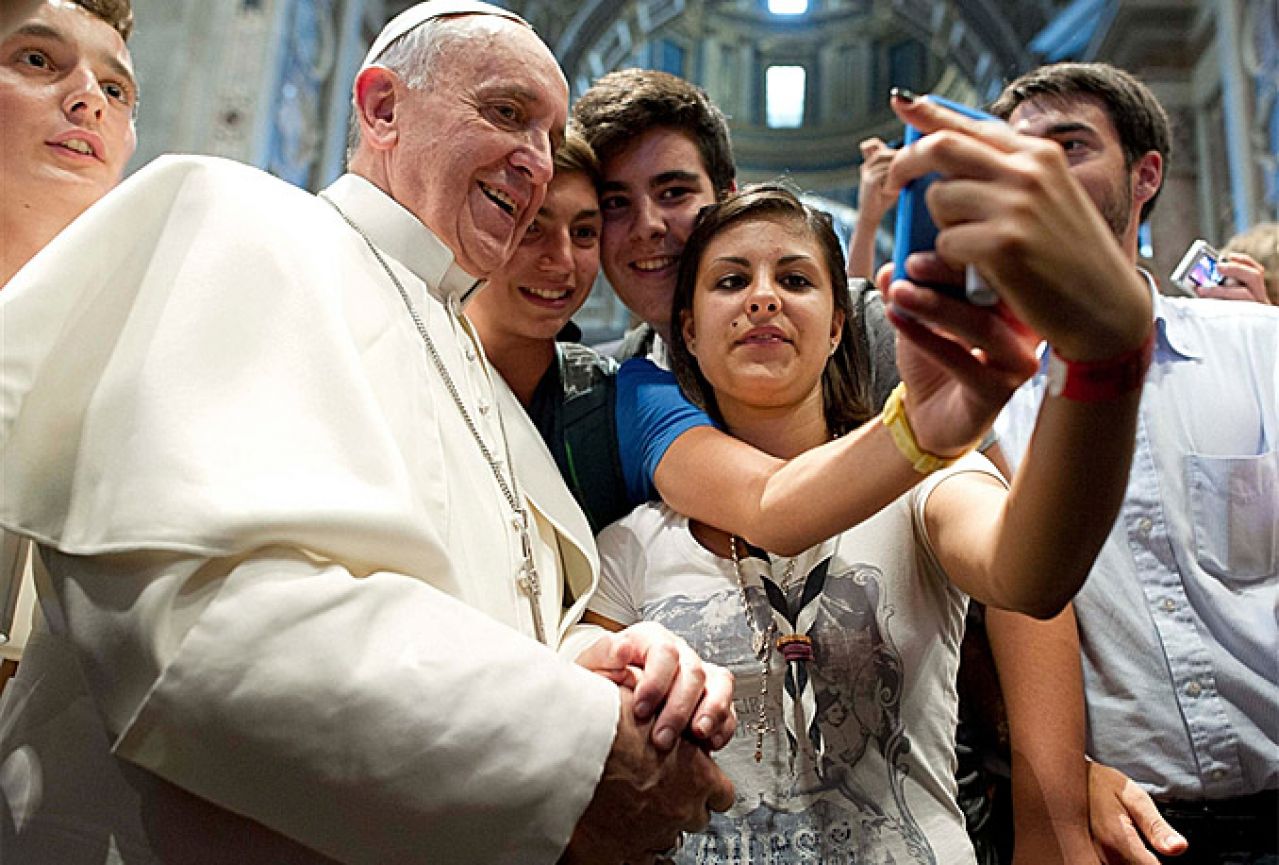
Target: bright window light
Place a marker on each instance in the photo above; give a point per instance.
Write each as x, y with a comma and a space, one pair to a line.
788, 7
785, 96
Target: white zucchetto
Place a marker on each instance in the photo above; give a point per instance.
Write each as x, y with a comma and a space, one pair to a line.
415, 16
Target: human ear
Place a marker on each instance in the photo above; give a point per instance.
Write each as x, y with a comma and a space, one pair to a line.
376, 102
1148, 176
836, 329
689, 332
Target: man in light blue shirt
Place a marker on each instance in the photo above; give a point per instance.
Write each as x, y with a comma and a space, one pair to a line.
1177, 621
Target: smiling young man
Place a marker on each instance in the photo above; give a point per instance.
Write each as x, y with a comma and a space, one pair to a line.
664, 155
68, 97
1176, 623
531, 298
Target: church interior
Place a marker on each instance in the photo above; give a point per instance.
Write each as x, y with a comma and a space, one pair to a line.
802, 81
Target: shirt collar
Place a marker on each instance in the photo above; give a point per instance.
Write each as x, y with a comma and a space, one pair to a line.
402, 236
1170, 330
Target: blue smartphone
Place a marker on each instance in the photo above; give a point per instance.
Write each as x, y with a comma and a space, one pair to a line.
915, 230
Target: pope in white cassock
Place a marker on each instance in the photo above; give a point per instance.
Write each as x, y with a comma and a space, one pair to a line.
303, 559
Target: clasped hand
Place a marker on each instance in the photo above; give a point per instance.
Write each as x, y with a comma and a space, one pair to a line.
659, 779
670, 682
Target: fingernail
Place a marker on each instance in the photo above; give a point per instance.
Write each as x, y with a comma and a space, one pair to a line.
903, 94
643, 710
703, 726
664, 738
1174, 839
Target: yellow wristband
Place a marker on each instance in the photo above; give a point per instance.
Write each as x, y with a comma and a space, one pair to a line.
894, 418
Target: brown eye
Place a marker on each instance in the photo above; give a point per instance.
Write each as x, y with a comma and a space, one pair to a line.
796, 280
36, 59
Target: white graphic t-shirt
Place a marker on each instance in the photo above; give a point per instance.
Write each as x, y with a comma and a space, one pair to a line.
864, 770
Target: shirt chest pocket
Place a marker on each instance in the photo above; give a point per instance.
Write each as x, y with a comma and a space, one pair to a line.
1234, 503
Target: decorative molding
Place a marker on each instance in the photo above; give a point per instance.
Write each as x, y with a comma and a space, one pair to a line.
299, 116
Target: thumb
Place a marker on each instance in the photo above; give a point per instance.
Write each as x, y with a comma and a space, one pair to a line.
608, 656
1156, 830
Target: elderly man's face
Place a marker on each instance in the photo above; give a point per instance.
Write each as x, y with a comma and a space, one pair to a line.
475, 149
67, 95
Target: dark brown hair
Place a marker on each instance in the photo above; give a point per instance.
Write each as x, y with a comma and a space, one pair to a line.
117, 13
625, 104
846, 399
1139, 119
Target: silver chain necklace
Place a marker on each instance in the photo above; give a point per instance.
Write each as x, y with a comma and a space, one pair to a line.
528, 580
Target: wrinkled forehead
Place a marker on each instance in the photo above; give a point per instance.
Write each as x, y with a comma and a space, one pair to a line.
518, 46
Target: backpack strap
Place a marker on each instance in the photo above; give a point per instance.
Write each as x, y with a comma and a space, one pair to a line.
592, 465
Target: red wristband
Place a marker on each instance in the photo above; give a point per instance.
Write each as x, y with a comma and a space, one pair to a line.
1099, 380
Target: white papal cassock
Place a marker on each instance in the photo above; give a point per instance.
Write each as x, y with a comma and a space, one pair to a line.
277, 572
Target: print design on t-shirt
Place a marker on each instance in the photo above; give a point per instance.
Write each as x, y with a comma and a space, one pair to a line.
845, 815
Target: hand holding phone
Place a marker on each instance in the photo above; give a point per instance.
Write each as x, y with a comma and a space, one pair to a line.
916, 231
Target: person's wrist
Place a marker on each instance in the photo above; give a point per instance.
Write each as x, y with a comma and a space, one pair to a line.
903, 436
866, 217
1106, 324
1100, 380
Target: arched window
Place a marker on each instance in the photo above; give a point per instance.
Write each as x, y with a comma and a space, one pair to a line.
788, 7
784, 88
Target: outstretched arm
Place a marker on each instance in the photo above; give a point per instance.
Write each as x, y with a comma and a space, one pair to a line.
783, 506
786, 506
1010, 207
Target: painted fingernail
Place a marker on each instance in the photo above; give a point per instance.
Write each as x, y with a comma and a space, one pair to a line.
903, 94
664, 738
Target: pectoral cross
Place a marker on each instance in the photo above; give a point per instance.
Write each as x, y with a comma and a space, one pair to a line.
528, 581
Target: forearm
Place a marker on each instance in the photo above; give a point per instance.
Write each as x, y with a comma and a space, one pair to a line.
1063, 502
784, 506
581, 637
861, 249
1039, 674
357, 693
